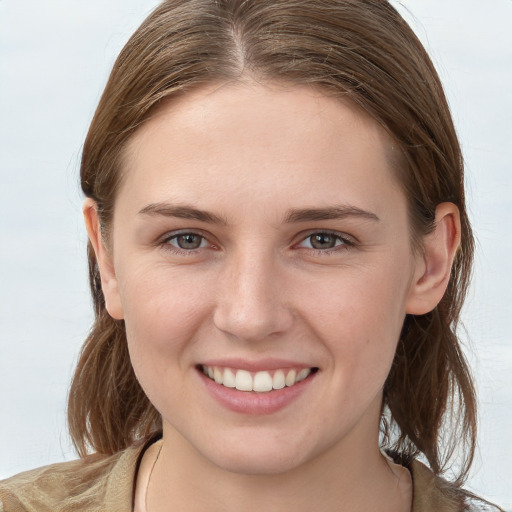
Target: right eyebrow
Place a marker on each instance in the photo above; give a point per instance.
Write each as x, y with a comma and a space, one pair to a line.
334, 212
182, 212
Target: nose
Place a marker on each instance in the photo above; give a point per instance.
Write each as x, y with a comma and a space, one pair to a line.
252, 302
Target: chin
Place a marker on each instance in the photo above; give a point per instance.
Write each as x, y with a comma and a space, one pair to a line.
263, 456
258, 463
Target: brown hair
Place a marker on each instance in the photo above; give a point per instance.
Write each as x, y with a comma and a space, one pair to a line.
361, 50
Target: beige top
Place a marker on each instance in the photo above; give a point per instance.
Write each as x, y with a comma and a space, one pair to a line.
99, 483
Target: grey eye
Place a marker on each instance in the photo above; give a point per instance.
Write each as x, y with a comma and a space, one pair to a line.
187, 241
323, 241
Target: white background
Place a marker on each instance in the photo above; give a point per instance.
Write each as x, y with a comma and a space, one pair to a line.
55, 56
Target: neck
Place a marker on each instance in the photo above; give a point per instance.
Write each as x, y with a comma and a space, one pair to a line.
351, 477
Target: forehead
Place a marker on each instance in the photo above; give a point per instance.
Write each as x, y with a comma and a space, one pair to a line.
206, 109
249, 138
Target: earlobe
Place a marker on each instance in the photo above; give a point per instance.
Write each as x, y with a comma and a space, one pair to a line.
433, 269
104, 259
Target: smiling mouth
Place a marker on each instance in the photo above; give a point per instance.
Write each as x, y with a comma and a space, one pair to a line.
259, 382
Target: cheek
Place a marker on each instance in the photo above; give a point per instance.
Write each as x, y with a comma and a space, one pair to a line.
359, 316
360, 299
163, 313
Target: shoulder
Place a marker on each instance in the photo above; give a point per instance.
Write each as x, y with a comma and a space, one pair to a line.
94, 483
432, 493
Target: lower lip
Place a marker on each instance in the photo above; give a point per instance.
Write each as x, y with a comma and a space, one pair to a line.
250, 402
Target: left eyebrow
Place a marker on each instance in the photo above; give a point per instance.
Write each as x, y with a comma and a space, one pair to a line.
335, 212
182, 212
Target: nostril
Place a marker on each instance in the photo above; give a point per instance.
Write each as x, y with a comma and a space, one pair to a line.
252, 321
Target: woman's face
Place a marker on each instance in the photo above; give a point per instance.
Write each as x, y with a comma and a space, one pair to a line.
260, 236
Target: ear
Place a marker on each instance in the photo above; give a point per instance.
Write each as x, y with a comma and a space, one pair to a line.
434, 264
104, 260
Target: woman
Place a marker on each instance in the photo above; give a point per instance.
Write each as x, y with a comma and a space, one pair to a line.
279, 250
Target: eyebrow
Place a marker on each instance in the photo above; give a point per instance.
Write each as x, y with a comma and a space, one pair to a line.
330, 213
291, 216
182, 212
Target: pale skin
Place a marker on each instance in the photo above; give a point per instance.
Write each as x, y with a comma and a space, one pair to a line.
305, 255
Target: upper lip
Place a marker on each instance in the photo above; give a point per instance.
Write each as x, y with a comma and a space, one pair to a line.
266, 364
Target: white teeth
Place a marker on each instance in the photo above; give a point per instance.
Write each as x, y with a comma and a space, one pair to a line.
290, 378
229, 378
243, 381
217, 375
278, 382
261, 382
302, 374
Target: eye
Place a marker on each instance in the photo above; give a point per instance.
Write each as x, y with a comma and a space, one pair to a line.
187, 241
325, 241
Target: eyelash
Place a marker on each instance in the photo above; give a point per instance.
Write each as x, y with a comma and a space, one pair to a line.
346, 242
166, 243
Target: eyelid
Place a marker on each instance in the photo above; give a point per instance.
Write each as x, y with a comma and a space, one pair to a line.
346, 239
164, 241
